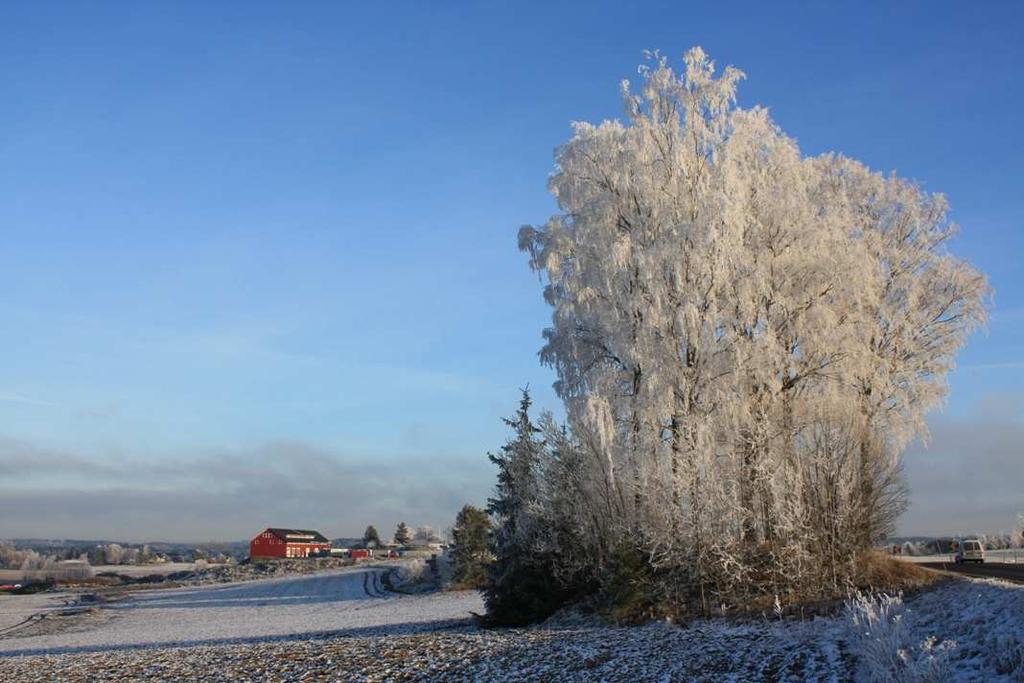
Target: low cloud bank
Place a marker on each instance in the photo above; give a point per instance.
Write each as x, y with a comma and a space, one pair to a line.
969, 478
228, 495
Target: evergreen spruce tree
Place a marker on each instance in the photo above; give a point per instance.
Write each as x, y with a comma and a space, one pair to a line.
371, 539
402, 534
469, 551
521, 587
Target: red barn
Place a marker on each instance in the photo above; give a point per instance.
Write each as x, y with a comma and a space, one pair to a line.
288, 543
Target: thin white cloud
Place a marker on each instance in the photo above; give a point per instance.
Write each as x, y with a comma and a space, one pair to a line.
27, 400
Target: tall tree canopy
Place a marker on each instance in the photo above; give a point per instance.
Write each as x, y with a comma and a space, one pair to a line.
745, 338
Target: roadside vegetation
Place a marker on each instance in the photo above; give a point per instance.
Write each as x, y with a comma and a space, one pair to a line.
745, 340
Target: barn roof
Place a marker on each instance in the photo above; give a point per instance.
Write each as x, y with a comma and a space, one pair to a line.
299, 535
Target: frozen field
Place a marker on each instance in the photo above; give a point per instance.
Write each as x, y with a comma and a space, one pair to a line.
336, 627
347, 600
17, 609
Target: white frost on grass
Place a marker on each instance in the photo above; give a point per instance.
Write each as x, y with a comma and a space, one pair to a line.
881, 638
967, 630
884, 639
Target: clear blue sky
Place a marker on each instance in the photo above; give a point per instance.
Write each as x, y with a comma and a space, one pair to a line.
234, 228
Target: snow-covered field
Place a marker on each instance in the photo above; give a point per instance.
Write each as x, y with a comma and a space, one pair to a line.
962, 630
340, 626
15, 609
347, 600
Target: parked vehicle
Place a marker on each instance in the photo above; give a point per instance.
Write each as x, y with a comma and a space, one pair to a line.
27, 587
969, 551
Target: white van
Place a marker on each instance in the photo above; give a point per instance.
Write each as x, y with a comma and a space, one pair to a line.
970, 551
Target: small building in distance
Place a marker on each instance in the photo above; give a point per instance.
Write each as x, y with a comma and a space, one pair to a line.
274, 542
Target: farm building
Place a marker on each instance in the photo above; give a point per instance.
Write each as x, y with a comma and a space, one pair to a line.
288, 543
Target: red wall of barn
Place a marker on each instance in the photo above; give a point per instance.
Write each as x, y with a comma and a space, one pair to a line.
274, 547
267, 547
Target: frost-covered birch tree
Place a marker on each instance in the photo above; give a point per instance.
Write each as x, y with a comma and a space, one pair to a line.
745, 339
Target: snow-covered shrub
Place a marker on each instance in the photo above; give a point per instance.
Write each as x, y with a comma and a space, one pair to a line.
411, 573
883, 643
1017, 536
1007, 654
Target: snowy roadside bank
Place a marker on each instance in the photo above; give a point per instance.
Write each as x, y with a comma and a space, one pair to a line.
968, 630
707, 652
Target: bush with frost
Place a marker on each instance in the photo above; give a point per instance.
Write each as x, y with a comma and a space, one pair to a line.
885, 646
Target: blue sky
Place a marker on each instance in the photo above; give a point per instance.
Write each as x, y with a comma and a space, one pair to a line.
241, 230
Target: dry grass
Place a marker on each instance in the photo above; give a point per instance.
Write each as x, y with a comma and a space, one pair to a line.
877, 571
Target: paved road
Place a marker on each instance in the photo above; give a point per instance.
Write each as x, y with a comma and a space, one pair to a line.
991, 570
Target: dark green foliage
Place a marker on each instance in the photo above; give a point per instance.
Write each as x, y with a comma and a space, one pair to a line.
469, 552
521, 591
371, 539
402, 534
522, 587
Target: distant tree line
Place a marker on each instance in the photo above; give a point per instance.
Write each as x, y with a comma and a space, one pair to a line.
96, 554
422, 537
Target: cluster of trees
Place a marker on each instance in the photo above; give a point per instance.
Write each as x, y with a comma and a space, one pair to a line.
27, 559
36, 564
745, 340
115, 553
403, 536
935, 546
12, 557
110, 553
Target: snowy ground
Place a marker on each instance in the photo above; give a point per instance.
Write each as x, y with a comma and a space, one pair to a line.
329, 627
17, 609
971, 629
347, 600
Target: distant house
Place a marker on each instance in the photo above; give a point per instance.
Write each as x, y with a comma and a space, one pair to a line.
288, 543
